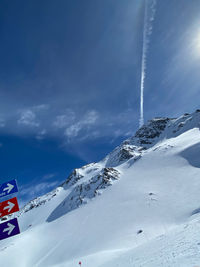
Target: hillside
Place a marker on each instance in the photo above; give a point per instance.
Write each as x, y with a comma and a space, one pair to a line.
139, 206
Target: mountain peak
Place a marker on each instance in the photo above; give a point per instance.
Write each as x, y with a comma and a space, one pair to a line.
151, 130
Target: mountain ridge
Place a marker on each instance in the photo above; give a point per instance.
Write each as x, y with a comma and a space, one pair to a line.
132, 148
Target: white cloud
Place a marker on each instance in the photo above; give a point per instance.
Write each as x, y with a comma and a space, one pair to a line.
28, 118
42, 122
88, 120
33, 118
91, 117
62, 121
73, 130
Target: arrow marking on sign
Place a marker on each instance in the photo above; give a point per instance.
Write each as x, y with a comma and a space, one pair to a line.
10, 206
8, 188
10, 228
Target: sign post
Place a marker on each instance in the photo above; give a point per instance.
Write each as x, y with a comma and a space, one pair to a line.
9, 228
9, 206
8, 188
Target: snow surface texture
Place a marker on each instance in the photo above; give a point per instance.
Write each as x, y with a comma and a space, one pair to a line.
139, 206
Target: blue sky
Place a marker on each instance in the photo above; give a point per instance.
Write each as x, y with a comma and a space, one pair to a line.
70, 80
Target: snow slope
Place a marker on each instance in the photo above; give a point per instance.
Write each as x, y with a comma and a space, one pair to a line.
139, 206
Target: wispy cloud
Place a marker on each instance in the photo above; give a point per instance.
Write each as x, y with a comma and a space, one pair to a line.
85, 123
28, 118
32, 191
73, 130
70, 126
49, 176
64, 120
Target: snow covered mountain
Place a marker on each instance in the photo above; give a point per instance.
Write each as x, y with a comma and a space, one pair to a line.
139, 206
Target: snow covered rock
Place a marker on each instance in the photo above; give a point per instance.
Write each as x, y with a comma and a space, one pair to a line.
81, 193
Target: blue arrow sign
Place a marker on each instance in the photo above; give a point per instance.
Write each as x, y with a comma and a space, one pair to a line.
8, 188
9, 228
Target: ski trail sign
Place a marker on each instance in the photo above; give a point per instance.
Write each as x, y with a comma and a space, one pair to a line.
9, 206
9, 228
8, 188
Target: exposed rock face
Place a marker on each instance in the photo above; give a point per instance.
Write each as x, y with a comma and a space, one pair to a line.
74, 177
152, 130
123, 153
85, 191
134, 147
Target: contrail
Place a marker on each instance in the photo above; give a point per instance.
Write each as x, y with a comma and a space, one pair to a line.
149, 14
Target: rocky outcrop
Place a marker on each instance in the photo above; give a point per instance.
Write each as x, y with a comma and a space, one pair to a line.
85, 191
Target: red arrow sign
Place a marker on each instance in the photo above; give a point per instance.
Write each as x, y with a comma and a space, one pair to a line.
9, 206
